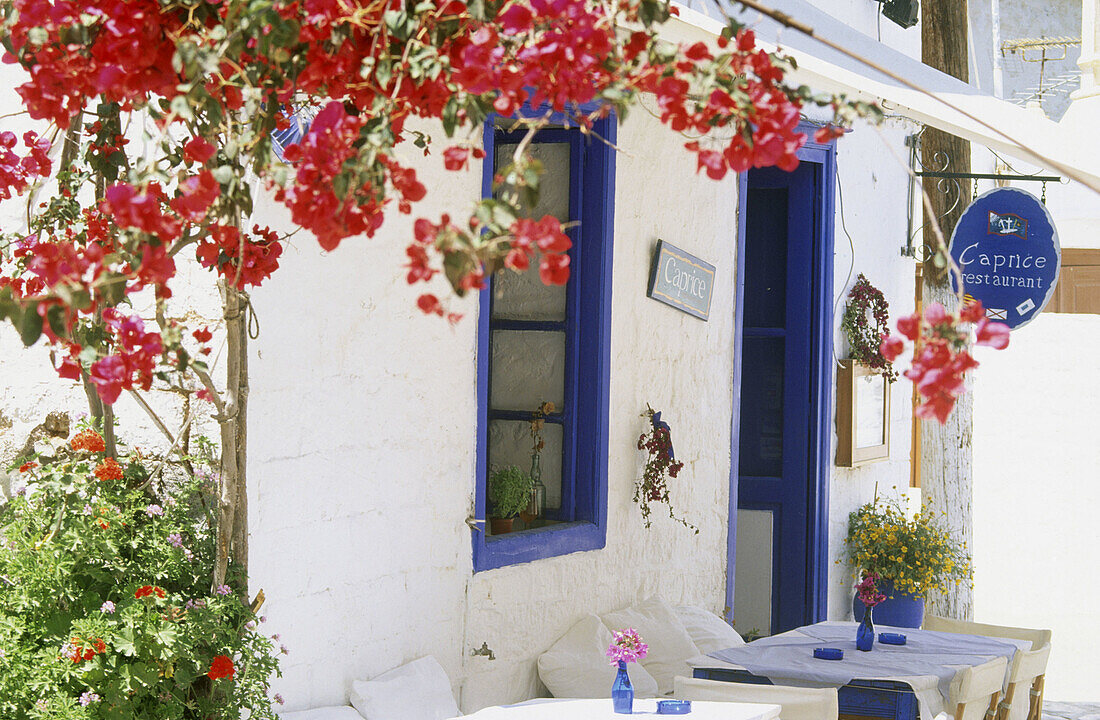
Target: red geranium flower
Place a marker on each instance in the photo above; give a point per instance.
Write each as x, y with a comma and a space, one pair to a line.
221, 667
109, 469
88, 440
27, 466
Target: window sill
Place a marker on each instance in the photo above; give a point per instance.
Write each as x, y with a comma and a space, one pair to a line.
529, 545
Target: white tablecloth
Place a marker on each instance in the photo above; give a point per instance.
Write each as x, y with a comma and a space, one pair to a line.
560, 709
927, 687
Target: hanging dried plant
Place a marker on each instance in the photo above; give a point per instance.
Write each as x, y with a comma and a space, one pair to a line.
659, 467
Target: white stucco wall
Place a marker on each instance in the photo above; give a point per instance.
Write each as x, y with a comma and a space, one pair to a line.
1035, 493
362, 437
1022, 19
874, 190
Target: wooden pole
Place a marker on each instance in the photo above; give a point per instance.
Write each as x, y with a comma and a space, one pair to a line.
946, 455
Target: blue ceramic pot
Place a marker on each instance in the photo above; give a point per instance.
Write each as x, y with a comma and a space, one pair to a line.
622, 692
898, 610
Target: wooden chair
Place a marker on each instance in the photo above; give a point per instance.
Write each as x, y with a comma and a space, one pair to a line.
1038, 638
797, 703
1026, 673
980, 689
1040, 652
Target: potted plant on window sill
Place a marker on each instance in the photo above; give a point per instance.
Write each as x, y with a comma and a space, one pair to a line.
509, 494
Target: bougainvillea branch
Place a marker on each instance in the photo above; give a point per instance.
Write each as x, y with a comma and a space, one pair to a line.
941, 354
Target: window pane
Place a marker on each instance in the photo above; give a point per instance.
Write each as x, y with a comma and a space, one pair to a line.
554, 184
524, 296
761, 433
766, 258
510, 444
528, 369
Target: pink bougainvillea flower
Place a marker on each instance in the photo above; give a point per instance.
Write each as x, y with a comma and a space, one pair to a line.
993, 334
626, 646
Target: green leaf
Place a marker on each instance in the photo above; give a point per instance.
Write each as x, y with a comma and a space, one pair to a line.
30, 326
223, 174
124, 642
167, 636
181, 107
56, 318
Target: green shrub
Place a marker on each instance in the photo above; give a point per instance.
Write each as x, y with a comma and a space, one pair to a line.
106, 605
509, 491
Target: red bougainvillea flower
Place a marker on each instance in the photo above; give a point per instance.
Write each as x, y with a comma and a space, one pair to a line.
88, 440
109, 469
221, 667
941, 355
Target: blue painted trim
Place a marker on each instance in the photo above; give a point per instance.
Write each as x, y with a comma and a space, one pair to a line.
735, 415
821, 384
584, 418
528, 325
821, 353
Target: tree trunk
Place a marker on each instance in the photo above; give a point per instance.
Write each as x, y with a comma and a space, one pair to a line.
946, 454
232, 537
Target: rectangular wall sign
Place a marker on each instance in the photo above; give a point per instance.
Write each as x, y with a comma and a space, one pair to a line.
681, 280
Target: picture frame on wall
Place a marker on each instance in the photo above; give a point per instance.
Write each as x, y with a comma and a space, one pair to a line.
862, 415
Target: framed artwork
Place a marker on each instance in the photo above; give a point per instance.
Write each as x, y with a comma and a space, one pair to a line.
862, 415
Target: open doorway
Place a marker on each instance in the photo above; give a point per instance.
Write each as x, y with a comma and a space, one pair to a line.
783, 404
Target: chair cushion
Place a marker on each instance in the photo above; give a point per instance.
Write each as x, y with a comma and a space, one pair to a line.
345, 712
670, 646
576, 666
417, 691
709, 632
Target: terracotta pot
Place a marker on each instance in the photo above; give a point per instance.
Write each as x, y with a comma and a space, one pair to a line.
501, 526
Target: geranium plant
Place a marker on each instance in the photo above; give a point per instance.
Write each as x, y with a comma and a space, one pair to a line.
866, 324
660, 466
915, 554
626, 647
106, 605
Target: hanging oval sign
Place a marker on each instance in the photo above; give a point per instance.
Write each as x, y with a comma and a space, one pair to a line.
1007, 248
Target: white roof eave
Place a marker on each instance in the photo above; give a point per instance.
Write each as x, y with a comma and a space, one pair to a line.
996, 124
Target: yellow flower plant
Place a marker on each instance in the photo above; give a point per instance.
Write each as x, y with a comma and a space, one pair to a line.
915, 554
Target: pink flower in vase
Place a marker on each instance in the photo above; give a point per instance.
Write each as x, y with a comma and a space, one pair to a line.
626, 646
868, 593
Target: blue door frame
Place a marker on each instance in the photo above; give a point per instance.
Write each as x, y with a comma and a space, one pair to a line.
822, 159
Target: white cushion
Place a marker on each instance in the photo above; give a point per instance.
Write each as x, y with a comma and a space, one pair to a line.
577, 666
345, 712
709, 632
417, 691
670, 646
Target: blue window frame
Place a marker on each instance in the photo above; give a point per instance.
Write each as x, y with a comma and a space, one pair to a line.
581, 331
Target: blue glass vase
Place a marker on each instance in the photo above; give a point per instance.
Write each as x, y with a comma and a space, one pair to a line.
865, 633
622, 692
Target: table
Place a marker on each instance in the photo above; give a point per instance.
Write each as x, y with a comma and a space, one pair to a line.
919, 679
600, 709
